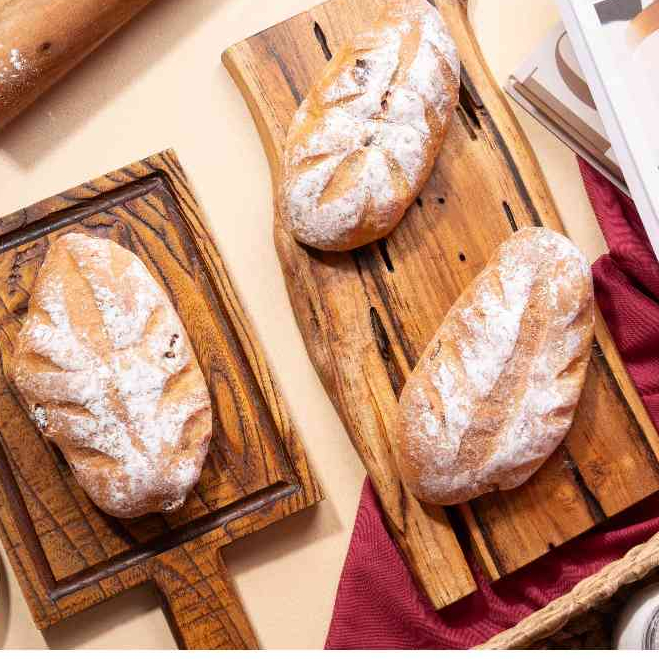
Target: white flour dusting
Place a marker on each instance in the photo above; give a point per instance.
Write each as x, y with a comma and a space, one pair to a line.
478, 365
16, 59
373, 121
109, 392
40, 418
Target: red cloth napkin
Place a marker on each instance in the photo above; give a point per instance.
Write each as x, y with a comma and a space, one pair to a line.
378, 606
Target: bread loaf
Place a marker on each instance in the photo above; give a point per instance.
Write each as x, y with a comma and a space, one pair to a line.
496, 389
106, 370
364, 141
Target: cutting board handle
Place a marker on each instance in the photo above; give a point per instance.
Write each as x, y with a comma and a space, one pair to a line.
42, 40
201, 605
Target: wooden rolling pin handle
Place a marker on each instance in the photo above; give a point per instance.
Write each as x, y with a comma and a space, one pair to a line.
202, 608
42, 40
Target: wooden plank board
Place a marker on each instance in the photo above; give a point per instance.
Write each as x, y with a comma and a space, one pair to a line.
367, 315
67, 554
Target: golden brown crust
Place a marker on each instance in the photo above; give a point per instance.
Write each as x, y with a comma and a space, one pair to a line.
364, 141
496, 389
105, 368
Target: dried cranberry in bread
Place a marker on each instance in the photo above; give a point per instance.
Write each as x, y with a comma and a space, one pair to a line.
496, 389
106, 370
364, 141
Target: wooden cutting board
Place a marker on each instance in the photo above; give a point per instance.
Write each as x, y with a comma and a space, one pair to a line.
367, 315
66, 553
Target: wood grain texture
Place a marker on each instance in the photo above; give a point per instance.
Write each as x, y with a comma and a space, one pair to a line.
67, 554
42, 40
367, 315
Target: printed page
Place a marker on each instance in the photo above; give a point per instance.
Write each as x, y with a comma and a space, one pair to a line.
617, 44
631, 27
552, 80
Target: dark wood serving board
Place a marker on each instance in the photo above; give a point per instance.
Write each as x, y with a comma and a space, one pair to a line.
367, 315
66, 553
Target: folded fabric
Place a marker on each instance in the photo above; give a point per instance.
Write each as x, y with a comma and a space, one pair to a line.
378, 605
627, 285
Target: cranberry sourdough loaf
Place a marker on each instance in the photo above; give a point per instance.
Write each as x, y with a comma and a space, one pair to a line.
496, 389
106, 370
364, 141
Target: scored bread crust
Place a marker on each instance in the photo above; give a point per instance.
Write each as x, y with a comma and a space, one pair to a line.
495, 391
106, 370
364, 141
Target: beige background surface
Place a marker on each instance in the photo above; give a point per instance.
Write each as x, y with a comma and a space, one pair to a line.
160, 83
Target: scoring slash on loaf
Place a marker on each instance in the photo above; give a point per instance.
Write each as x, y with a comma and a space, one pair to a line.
363, 143
106, 370
496, 389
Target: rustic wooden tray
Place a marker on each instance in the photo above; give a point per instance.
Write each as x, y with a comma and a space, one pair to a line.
367, 315
66, 553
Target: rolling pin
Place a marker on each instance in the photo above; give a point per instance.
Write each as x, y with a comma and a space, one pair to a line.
42, 40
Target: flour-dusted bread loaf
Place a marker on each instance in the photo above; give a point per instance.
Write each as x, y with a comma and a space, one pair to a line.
496, 389
106, 370
364, 141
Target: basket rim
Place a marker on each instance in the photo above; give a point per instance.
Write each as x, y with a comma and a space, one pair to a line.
598, 587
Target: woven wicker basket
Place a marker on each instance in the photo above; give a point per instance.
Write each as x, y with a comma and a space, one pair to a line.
583, 617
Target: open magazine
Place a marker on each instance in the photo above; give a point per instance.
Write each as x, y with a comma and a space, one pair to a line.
599, 90
551, 87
